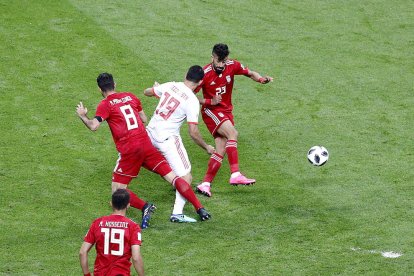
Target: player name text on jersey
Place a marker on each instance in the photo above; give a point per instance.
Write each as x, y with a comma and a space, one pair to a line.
122, 100
117, 224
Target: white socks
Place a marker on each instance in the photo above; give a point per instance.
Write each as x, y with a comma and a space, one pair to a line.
179, 203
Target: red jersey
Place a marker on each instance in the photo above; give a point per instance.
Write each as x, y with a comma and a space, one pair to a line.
113, 237
121, 110
214, 84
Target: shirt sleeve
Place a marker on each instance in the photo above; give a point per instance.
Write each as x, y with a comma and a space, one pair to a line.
239, 69
102, 110
137, 102
193, 109
90, 236
160, 89
136, 238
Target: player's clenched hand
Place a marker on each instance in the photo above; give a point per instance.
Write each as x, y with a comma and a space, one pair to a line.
156, 84
265, 79
81, 110
216, 99
210, 149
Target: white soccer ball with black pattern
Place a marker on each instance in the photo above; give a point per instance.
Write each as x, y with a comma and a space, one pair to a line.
318, 155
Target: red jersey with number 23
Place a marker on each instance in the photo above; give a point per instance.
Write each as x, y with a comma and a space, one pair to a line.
214, 84
113, 237
121, 111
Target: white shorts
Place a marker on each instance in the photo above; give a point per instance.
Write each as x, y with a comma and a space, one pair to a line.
175, 153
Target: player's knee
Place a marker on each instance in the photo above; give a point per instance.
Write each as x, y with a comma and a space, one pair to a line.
117, 185
169, 177
188, 177
233, 134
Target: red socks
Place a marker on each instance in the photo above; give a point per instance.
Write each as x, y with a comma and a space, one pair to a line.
135, 201
213, 166
185, 190
233, 155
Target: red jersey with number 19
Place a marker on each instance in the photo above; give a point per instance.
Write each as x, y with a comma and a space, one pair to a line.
113, 237
214, 84
121, 111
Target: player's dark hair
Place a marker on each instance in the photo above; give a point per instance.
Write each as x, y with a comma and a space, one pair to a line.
195, 74
221, 50
120, 199
105, 82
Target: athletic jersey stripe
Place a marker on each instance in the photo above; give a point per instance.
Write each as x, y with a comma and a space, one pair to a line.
117, 162
208, 69
153, 169
212, 116
180, 152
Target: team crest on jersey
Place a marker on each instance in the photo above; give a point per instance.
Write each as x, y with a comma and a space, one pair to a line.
228, 78
221, 114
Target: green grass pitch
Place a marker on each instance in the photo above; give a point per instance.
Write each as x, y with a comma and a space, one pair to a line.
343, 74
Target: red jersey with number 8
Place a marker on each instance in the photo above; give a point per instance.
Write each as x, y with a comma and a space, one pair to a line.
121, 111
215, 84
113, 237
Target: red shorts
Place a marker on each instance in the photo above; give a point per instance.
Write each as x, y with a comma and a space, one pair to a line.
146, 155
214, 118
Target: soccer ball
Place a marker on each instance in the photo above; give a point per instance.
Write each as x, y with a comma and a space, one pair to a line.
318, 155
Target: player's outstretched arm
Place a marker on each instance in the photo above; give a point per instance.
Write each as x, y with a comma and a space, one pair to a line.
150, 90
196, 136
258, 78
137, 260
82, 113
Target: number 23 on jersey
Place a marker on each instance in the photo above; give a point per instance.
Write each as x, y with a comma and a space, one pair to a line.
220, 90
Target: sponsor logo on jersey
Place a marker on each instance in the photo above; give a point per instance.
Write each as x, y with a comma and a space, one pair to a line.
212, 83
221, 114
119, 170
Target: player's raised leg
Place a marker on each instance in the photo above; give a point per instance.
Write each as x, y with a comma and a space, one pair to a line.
228, 130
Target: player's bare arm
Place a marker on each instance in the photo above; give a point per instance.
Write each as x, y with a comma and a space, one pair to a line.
150, 90
196, 136
143, 116
137, 259
82, 112
83, 257
258, 78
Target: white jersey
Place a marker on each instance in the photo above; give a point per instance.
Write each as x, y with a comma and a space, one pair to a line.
177, 103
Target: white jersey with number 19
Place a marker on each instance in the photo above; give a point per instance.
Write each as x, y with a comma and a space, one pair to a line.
177, 103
